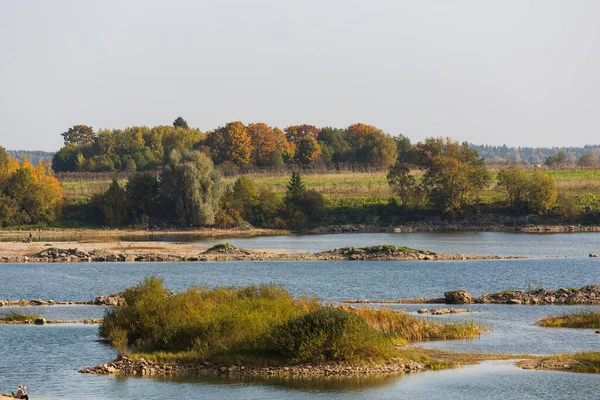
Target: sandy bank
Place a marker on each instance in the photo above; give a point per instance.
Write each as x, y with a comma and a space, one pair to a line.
120, 251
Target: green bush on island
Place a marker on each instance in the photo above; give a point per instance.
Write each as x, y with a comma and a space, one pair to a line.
258, 325
221, 247
583, 320
329, 334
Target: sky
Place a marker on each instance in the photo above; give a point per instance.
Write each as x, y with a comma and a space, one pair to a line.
515, 72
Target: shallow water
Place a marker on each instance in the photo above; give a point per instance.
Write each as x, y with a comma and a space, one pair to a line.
490, 243
47, 358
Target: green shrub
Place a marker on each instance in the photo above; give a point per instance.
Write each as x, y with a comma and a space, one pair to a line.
329, 334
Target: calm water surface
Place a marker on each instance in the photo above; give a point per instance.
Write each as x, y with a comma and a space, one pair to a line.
47, 358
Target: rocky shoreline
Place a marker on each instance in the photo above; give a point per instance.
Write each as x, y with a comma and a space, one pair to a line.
142, 367
475, 226
44, 321
112, 300
381, 253
587, 295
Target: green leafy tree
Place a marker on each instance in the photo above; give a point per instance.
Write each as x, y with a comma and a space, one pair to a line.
558, 159
588, 160
335, 147
143, 197
402, 182
302, 206
245, 196
407, 153
454, 173
79, 134
113, 205
541, 194
378, 149
513, 181
180, 123
193, 187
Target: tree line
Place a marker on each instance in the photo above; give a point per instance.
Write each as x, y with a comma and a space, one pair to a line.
586, 156
141, 148
190, 192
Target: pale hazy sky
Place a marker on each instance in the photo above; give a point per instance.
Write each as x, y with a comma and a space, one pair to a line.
489, 72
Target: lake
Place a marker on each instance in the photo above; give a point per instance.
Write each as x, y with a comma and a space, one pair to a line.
47, 358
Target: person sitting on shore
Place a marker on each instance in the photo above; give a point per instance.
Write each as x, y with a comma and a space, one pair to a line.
20, 393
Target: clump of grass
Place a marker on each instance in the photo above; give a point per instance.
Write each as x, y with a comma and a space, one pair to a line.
15, 316
582, 320
221, 248
404, 327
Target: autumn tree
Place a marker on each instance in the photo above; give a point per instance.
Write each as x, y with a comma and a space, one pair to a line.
28, 194
230, 143
180, 123
454, 173
192, 187
371, 145
304, 138
269, 145
307, 150
79, 134
296, 132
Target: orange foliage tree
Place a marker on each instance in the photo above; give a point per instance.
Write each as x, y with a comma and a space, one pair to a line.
267, 143
230, 143
28, 194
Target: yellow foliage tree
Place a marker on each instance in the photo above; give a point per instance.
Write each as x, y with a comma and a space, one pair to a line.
28, 193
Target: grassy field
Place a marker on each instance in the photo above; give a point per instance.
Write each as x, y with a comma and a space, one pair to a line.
341, 187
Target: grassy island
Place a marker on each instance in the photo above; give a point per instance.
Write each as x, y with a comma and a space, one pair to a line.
262, 325
582, 320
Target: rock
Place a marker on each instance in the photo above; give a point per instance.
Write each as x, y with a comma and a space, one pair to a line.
458, 297
597, 331
423, 311
514, 301
594, 255
39, 321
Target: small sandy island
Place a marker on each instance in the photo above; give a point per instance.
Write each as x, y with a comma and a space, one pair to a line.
113, 251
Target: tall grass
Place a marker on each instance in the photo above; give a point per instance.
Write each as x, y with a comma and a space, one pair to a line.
585, 362
400, 325
583, 320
